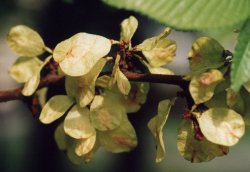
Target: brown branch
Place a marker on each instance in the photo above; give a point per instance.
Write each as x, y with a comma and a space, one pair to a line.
16, 94
13, 94
157, 78
51, 79
166, 79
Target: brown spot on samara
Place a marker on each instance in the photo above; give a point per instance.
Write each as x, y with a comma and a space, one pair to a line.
196, 58
234, 135
69, 54
121, 140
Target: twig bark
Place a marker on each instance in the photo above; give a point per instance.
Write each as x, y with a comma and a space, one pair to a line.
16, 94
157, 78
51, 79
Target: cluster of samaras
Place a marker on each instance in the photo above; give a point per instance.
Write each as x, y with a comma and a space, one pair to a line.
97, 104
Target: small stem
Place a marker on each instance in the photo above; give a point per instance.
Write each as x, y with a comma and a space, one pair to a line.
48, 50
113, 42
227, 53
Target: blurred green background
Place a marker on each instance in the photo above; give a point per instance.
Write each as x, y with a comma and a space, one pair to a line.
28, 146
